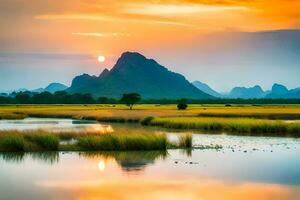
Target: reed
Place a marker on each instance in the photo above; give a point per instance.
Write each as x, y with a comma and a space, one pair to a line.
185, 141
12, 143
48, 142
38, 140
130, 142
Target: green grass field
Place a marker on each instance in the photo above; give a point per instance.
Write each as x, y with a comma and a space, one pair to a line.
236, 119
122, 113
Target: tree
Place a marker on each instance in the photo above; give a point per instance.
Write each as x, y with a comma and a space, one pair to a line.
102, 100
130, 99
182, 104
43, 98
23, 98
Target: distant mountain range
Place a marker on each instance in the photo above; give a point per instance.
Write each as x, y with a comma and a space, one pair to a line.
135, 73
256, 92
247, 93
205, 88
52, 88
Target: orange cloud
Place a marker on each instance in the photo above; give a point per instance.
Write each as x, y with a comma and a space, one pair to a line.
152, 22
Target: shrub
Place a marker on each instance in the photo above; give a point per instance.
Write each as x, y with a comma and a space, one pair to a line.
182, 106
146, 121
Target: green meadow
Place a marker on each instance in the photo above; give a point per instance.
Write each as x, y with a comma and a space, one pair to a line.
264, 120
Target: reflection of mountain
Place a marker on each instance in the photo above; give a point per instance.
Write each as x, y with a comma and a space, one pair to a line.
134, 165
130, 161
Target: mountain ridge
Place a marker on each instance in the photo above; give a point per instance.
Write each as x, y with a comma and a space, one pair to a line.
133, 72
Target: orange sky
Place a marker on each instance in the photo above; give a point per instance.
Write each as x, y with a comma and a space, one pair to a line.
94, 26
107, 27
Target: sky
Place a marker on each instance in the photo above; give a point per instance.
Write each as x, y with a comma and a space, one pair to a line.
224, 43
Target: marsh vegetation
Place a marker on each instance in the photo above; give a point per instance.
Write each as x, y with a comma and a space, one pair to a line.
39, 140
269, 120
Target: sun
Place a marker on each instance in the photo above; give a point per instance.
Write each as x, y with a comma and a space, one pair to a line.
101, 59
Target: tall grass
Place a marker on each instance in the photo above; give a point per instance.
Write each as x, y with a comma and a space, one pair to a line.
14, 141
231, 125
115, 142
47, 142
185, 141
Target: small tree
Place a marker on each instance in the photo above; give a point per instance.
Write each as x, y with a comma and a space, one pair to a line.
130, 99
182, 104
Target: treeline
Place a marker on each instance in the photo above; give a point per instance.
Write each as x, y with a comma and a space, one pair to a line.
224, 101
62, 97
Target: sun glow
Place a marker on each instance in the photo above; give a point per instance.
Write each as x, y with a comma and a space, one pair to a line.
101, 59
101, 165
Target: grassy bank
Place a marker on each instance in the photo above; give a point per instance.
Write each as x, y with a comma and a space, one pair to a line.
242, 126
14, 141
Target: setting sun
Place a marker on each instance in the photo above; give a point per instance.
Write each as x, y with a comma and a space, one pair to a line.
101, 59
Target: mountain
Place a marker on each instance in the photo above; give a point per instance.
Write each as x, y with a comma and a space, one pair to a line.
247, 93
52, 88
135, 73
280, 91
205, 88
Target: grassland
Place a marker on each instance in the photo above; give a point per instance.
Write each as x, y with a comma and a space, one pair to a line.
121, 113
236, 119
38, 140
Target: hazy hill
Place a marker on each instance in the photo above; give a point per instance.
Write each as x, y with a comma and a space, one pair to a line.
135, 73
280, 91
206, 88
247, 93
52, 88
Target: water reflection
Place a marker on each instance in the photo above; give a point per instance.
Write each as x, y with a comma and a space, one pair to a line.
12, 157
175, 189
151, 175
132, 161
46, 157
55, 125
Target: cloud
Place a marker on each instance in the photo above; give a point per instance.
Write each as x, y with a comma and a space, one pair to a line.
102, 34
177, 9
44, 56
132, 19
73, 16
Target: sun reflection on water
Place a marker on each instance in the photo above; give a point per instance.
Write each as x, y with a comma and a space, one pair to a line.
101, 165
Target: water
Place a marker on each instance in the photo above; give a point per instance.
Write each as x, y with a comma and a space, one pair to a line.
55, 125
244, 168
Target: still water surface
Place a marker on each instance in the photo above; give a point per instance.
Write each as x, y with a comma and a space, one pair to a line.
245, 168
